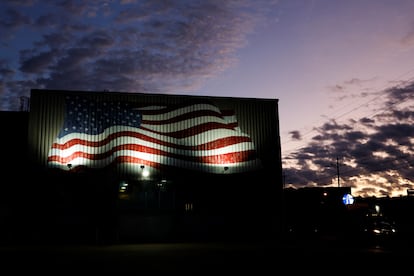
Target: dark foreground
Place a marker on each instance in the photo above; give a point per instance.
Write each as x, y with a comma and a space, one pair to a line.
270, 257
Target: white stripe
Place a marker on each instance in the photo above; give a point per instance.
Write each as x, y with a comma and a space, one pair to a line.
198, 139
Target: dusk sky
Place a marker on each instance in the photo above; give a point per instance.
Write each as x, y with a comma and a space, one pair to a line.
343, 71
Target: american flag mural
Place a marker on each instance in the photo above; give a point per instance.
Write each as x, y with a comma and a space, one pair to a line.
194, 135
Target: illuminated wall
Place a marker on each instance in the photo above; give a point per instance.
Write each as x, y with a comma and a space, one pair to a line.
133, 132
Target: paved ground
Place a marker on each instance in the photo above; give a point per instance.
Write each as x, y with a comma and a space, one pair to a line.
259, 258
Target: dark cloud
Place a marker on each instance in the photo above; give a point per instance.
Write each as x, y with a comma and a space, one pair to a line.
73, 7
36, 63
295, 135
6, 71
376, 151
12, 19
367, 121
398, 95
403, 114
133, 46
47, 20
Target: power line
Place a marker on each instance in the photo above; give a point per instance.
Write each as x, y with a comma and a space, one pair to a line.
384, 91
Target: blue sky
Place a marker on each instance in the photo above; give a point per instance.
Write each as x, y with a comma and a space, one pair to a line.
343, 71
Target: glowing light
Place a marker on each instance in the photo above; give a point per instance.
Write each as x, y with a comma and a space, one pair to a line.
123, 187
145, 173
348, 199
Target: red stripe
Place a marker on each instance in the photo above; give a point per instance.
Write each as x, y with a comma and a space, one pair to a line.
183, 117
233, 157
227, 112
201, 128
218, 143
172, 107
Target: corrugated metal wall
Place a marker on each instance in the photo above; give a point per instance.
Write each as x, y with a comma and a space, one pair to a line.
256, 117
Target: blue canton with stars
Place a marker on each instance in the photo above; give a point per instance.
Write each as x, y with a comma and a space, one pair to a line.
93, 117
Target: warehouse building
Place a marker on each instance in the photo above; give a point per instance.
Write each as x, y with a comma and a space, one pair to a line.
125, 167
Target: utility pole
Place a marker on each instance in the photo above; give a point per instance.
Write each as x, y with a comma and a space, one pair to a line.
337, 169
